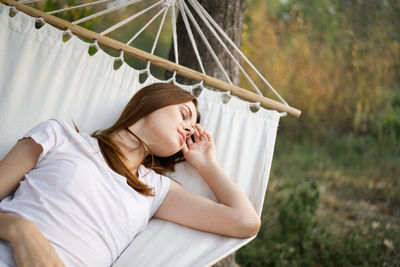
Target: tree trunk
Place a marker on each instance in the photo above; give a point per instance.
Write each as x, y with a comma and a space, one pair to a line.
229, 15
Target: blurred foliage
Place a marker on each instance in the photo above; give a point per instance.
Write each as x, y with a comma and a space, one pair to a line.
336, 60
345, 213
71, 15
292, 240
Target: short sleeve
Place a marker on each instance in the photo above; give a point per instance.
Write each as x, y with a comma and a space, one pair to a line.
46, 134
160, 185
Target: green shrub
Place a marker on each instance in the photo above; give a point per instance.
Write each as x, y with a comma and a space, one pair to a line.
387, 126
291, 242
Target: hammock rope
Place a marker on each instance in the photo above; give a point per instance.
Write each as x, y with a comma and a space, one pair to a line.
106, 11
30, 1
210, 24
203, 37
174, 35
125, 21
207, 19
144, 27
191, 37
204, 13
226, 49
165, 10
75, 7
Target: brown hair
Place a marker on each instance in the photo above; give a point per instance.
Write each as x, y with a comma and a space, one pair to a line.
145, 101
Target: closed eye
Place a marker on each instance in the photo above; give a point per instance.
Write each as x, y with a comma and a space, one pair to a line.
184, 115
189, 111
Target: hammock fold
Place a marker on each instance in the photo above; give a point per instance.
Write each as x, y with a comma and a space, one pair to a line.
42, 77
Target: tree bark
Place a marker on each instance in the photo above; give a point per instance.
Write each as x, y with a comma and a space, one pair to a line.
229, 15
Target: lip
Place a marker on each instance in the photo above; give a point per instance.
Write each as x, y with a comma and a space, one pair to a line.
183, 137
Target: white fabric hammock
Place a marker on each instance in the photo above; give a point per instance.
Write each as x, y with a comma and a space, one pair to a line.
41, 77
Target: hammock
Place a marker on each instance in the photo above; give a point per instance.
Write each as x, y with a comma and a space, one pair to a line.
41, 77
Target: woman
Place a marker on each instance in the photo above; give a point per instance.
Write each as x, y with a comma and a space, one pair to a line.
66, 196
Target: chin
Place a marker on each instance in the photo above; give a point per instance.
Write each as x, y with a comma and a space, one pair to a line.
173, 153
165, 154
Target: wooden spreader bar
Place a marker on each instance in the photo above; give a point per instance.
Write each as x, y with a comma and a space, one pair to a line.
155, 60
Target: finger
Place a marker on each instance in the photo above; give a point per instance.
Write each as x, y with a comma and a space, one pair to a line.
209, 136
196, 135
203, 137
189, 140
198, 127
185, 148
202, 134
201, 130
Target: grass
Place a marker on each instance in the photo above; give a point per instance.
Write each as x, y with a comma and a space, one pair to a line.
330, 203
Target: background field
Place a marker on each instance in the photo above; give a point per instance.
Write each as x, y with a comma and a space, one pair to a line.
334, 193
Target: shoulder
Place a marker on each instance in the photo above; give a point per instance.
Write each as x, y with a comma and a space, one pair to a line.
53, 124
147, 175
60, 124
158, 181
52, 132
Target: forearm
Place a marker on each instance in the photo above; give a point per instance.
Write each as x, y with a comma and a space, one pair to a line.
226, 191
9, 226
234, 215
30, 246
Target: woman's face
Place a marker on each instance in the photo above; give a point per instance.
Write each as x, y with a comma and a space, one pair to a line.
166, 129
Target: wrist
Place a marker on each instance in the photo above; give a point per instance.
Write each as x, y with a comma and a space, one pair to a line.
205, 167
17, 228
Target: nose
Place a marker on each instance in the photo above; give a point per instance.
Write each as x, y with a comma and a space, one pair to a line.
189, 130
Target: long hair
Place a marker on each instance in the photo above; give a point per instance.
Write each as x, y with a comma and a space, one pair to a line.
145, 101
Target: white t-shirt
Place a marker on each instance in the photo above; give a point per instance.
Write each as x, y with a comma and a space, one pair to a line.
87, 211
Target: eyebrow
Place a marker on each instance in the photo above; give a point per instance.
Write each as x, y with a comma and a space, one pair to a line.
190, 111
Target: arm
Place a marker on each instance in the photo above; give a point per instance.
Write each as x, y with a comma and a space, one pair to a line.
30, 247
234, 215
18, 162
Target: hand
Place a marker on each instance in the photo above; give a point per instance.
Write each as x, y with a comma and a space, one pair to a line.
31, 248
202, 151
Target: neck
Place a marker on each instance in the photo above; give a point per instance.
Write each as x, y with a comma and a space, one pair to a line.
129, 144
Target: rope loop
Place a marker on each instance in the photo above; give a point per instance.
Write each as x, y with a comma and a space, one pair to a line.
283, 114
68, 32
147, 69
226, 96
168, 3
254, 107
148, 65
121, 56
198, 89
174, 77
228, 93
40, 19
143, 71
94, 44
14, 9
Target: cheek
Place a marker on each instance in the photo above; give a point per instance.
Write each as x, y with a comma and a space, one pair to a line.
161, 130
162, 135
